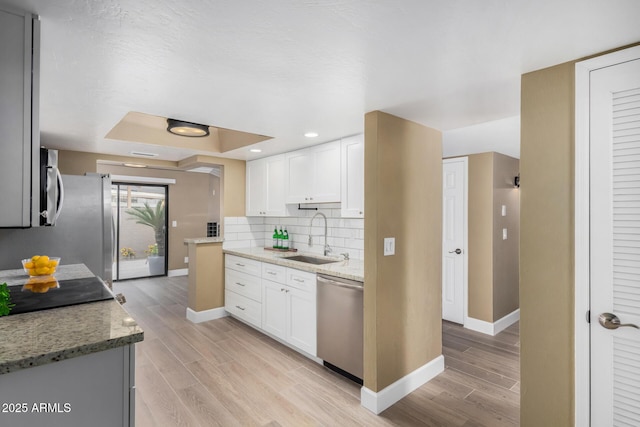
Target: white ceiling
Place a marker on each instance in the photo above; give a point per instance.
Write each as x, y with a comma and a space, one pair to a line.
284, 67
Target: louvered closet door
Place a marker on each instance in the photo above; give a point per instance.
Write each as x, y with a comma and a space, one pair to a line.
615, 243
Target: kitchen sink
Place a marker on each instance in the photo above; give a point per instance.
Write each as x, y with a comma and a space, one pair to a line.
311, 259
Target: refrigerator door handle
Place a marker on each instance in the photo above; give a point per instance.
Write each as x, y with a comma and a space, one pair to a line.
60, 197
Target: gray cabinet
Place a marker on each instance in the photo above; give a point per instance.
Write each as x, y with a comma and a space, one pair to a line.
95, 390
19, 163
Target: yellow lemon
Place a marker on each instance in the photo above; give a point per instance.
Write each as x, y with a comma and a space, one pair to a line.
29, 265
41, 271
35, 258
53, 263
32, 272
43, 258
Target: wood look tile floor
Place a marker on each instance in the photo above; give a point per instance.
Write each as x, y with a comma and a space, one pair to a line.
224, 373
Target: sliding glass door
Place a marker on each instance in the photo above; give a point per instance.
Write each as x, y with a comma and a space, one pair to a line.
140, 213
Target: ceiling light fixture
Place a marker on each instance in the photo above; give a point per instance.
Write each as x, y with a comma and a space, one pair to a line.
255, 150
182, 128
143, 154
311, 134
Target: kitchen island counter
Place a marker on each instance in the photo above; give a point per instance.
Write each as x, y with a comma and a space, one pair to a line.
352, 269
42, 337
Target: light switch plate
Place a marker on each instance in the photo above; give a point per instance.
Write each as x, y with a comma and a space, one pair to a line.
504, 234
174, 223
186, 260
389, 246
504, 210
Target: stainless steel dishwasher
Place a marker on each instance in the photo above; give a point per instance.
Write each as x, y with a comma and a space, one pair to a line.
340, 331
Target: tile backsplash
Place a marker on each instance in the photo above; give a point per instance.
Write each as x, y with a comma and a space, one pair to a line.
343, 234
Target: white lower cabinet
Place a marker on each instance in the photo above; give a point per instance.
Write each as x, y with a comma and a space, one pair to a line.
274, 315
245, 308
243, 289
285, 307
301, 319
289, 309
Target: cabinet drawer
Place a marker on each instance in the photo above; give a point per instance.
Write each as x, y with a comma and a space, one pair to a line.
301, 280
275, 273
243, 284
245, 265
244, 308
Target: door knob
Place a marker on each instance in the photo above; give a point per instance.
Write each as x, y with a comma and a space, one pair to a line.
611, 321
457, 251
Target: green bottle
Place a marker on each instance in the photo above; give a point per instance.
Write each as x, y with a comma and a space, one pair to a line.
280, 236
285, 240
275, 237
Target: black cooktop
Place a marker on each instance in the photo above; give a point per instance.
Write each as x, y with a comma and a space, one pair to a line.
69, 292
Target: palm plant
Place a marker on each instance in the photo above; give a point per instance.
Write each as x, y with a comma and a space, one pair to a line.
151, 217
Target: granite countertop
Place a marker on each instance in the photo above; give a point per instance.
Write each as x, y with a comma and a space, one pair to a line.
352, 269
42, 337
200, 240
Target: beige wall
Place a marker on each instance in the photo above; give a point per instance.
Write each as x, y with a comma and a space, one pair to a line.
480, 237
206, 276
189, 199
403, 199
546, 249
233, 181
506, 253
493, 262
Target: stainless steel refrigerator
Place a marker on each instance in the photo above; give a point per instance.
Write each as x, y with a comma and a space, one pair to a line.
84, 231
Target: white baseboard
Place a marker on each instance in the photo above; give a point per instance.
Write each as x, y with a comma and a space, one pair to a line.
492, 328
378, 402
205, 315
178, 272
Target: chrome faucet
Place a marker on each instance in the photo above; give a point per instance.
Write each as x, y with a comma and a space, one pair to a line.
327, 248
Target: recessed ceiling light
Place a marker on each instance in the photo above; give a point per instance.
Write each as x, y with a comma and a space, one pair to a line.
182, 128
134, 165
311, 134
255, 150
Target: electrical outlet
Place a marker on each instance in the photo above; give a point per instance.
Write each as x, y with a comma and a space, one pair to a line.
504, 210
389, 246
174, 224
186, 260
504, 234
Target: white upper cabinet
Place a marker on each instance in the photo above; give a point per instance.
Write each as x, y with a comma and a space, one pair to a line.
313, 174
265, 189
352, 203
256, 194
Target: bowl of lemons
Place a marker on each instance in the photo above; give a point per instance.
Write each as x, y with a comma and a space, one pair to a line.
40, 265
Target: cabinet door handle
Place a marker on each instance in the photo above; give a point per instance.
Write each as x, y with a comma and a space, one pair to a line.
240, 284
281, 289
239, 265
271, 273
240, 308
298, 280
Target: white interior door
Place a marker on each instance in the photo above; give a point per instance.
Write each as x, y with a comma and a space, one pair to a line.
615, 243
454, 239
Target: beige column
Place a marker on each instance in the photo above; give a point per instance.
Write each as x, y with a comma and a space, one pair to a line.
206, 274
